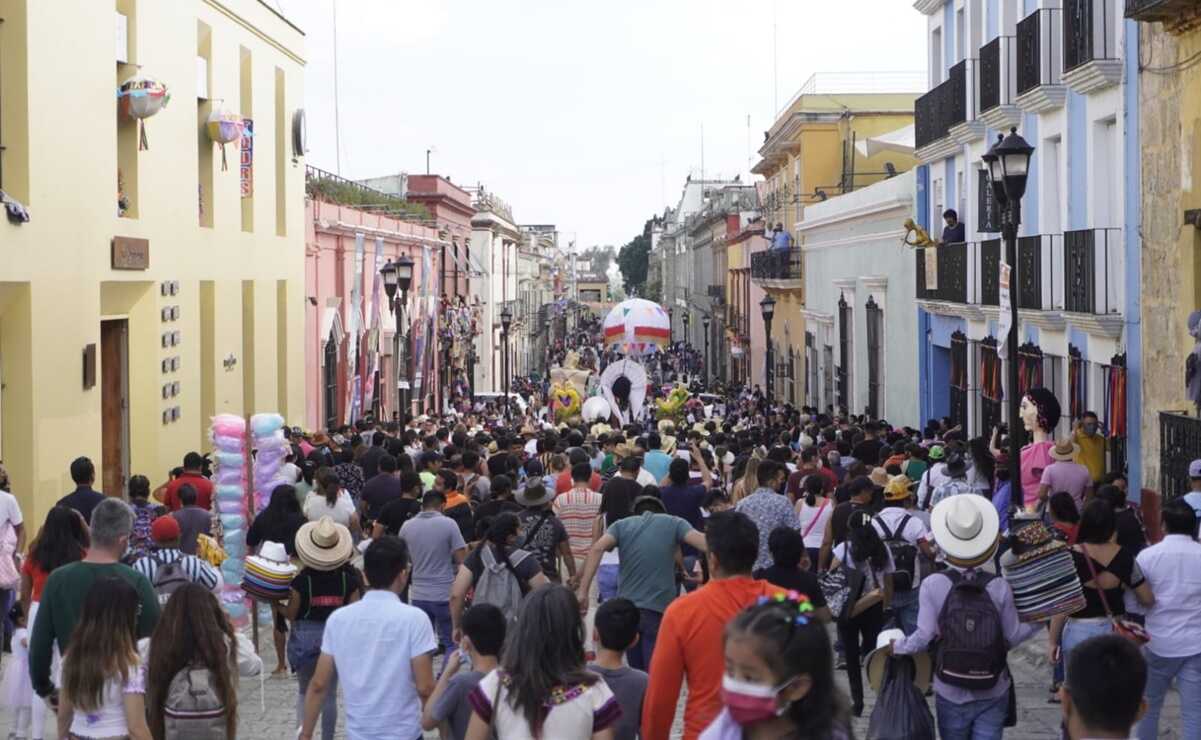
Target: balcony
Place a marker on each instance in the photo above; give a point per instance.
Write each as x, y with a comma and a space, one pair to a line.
1090, 54
1179, 443
1040, 61
777, 268
947, 280
1176, 15
998, 84
936, 112
990, 272
1093, 271
1039, 258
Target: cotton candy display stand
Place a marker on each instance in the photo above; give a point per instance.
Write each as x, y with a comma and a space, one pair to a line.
271, 449
229, 474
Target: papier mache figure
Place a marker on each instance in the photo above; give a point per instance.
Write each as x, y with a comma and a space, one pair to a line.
1040, 413
568, 386
1192, 366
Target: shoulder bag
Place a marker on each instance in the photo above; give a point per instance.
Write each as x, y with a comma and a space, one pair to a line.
1127, 628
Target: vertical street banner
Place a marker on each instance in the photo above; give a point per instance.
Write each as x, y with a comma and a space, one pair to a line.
246, 170
371, 314
1005, 319
354, 399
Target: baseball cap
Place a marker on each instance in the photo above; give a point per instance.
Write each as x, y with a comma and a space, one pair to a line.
165, 529
1194, 469
936, 452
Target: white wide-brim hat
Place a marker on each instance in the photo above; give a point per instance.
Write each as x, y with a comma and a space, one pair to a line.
966, 528
324, 544
877, 659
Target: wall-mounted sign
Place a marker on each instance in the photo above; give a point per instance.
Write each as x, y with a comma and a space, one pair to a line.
130, 253
988, 213
247, 166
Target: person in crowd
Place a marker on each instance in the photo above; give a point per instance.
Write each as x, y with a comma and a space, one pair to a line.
193, 521
474, 484
778, 678
965, 530
810, 465
543, 532
514, 571
1064, 474
428, 465
748, 481
648, 542
953, 231
395, 513
330, 499
1107, 571
577, 509
955, 469
615, 632
501, 498
437, 549
370, 459
981, 473
905, 535
656, 461
1131, 534
1103, 696
1093, 445
458, 507
1193, 497
565, 481
191, 475
350, 473
447, 710
378, 491
84, 498
62, 540
279, 522
789, 571
868, 450
1171, 568
544, 658
865, 553
934, 476
167, 567
103, 679
68, 585
12, 544
383, 690
860, 492
144, 514
768, 508
1065, 517
325, 583
195, 633
617, 502
688, 645
1001, 498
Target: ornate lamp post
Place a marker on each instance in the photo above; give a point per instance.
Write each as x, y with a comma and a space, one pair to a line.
506, 320
767, 307
705, 322
398, 277
670, 326
1008, 166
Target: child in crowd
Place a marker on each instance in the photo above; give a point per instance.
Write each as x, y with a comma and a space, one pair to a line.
790, 569
779, 679
616, 631
483, 636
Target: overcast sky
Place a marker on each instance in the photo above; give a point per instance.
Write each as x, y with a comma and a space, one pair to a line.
586, 115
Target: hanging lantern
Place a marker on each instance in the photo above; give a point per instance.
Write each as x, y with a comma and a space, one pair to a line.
224, 128
139, 98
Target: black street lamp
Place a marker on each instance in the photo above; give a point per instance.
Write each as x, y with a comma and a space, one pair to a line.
687, 318
670, 326
506, 319
705, 322
1008, 165
767, 307
398, 277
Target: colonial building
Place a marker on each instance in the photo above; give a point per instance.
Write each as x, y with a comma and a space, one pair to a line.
495, 238
1066, 76
741, 322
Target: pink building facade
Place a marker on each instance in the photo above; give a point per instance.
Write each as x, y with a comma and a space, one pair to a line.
351, 364
744, 323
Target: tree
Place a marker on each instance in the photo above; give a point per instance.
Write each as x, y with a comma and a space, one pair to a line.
632, 260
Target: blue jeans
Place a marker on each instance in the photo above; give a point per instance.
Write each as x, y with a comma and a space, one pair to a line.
439, 614
904, 610
608, 580
1076, 631
304, 648
1160, 672
983, 719
639, 656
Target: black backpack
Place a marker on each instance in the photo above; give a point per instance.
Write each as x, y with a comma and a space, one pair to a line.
971, 648
904, 555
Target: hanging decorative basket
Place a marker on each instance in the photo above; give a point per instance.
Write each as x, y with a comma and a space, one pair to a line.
139, 98
224, 128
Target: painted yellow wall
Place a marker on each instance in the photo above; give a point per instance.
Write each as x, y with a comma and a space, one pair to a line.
61, 132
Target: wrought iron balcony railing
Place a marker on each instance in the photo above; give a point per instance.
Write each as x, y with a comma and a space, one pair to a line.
1163, 11
950, 280
1088, 32
941, 108
776, 264
1090, 270
1039, 50
990, 272
1179, 443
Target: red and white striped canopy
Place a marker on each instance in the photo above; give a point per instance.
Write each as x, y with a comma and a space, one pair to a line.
637, 327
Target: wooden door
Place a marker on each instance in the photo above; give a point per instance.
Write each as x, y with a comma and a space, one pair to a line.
114, 406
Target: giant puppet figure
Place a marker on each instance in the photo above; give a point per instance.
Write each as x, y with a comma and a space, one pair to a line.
1040, 414
568, 385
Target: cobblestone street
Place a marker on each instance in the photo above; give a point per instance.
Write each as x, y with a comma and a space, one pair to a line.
274, 718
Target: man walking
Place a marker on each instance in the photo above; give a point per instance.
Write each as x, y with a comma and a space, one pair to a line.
83, 499
192, 475
193, 520
577, 510
168, 567
768, 508
438, 549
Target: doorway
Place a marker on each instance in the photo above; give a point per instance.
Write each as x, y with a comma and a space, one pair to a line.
114, 405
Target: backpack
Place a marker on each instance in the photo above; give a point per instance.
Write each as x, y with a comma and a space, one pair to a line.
972, 648
168, 578
193, 709
498, 583
140, 539
904, 555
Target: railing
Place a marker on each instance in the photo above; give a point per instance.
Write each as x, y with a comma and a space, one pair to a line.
996, 76
338, 190
1162, 11
1179, 444
1090, 270
941, 108
776, 264
1088, 32
951, 261
717, 293
1030, 272
990, 272
1039, 56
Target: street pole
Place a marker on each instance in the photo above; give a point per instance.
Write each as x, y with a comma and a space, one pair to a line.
767, 375
505, 369
1013, 219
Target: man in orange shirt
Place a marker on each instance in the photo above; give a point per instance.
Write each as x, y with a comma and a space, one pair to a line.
690, 641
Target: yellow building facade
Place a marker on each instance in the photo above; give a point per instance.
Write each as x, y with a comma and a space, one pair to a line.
815, 150
127, 321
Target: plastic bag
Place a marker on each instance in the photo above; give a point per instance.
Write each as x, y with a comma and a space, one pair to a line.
901, 712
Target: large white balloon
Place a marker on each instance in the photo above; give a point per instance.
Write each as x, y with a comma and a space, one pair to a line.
595, 409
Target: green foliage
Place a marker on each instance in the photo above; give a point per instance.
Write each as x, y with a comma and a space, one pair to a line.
632, 260
346, 193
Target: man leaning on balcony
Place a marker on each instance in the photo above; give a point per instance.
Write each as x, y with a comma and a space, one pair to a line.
953, 232
781, 239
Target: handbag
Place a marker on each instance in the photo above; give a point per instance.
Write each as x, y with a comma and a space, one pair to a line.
1127, 628
842, 588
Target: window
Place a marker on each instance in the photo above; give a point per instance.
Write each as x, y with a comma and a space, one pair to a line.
991, 394
935, 57
331, 383
828, 368
875, 353
844, 354
1077, 383
960, 36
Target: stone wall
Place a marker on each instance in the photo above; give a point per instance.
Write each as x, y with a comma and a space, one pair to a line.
1170, 107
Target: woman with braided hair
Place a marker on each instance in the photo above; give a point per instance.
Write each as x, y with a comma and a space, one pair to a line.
501, 544
779, 680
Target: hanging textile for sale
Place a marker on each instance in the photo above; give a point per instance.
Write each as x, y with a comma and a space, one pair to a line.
1115, 397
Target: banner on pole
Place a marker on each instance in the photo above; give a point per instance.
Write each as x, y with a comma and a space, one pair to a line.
1005, 320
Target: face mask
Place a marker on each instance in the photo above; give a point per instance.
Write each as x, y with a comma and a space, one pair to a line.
1090, 428
751, 703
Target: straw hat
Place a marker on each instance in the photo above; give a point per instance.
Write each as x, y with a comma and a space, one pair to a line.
898, 488
879, 477
877, 660
522, 497
324, 544
966, 529
1065, 450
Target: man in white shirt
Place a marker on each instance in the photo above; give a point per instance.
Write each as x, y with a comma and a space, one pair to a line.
935, 476
1173, 570
905, 535
380, 650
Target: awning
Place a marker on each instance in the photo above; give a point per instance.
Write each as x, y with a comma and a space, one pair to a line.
899, 141
331, 325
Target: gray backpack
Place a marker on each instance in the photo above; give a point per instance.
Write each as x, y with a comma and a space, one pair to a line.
193, 709
168, 578
498, 583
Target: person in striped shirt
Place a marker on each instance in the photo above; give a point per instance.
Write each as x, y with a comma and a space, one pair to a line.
165, 532
578, 509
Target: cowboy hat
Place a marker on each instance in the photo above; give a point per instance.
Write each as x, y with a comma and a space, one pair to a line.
699, 428
522, 496
1065, 450
667, 444
966, 528
898, 488
667, 426
879, 476
877, 661
324, 544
